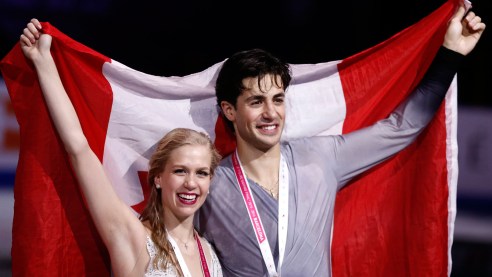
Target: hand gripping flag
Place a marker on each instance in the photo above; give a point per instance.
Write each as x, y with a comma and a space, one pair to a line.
396, 219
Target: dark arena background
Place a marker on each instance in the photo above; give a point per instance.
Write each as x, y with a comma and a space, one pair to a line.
176, 38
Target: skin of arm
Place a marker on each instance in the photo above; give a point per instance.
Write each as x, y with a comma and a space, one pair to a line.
122, 232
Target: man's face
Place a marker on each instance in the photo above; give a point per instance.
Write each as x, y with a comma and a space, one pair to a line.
259, 114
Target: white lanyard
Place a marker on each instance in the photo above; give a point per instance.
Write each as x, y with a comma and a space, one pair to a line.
254, 216
283, 209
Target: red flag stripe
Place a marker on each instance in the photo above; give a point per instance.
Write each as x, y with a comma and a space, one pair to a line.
53, 233
404, 221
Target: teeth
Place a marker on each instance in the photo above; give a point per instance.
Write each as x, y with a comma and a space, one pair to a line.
271, 127
187, 196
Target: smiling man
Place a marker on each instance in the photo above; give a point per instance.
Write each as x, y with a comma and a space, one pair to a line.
271, 205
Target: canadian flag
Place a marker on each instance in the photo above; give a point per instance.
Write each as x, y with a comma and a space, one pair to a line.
396, 219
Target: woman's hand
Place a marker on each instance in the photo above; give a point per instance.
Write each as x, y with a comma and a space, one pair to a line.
34, 44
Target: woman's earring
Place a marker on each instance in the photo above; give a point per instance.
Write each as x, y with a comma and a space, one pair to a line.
157, 186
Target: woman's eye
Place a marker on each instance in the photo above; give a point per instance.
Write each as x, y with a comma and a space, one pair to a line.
179, 171
203, 173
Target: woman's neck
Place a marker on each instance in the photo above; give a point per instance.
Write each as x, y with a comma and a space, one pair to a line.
181, 230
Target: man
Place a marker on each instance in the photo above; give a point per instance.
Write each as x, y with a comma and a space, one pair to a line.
275, 200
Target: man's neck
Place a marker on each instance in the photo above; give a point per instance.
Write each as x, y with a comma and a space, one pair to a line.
260, 166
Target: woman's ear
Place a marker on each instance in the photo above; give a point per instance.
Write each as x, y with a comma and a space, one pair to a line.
157, 182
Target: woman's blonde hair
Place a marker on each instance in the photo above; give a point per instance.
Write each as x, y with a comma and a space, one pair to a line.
154, 210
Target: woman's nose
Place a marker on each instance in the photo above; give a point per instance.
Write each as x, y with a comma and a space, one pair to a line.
190, 181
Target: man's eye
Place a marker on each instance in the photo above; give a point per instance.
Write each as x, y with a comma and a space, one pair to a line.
279, 100
256, 103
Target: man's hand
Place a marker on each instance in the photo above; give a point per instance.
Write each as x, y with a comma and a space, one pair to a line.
463, 33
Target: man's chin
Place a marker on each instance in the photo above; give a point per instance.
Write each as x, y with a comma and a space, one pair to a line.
267, 145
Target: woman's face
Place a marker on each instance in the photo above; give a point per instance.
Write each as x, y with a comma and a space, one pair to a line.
185, 180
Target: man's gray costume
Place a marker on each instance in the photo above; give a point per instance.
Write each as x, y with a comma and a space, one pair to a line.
318, 168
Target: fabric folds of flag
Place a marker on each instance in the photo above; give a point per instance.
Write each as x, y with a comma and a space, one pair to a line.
396, 218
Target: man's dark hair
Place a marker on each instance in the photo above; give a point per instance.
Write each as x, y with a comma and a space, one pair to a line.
248, 64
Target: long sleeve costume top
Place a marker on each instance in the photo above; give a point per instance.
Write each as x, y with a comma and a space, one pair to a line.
318, 168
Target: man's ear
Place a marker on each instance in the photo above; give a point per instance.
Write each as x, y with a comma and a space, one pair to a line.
228, 110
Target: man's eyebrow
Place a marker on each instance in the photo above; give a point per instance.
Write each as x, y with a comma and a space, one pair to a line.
255, 97
262, 97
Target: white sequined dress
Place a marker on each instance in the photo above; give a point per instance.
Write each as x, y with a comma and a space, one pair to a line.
214, 266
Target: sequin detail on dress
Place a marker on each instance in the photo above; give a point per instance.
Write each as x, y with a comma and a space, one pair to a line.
170, 271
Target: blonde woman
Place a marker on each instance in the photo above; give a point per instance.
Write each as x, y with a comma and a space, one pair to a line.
163, 241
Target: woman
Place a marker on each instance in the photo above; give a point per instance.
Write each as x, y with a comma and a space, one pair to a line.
163, 242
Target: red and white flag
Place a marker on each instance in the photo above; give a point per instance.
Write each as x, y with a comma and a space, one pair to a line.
397, 218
